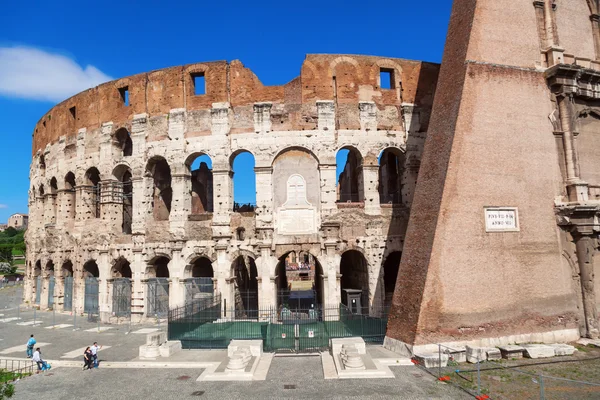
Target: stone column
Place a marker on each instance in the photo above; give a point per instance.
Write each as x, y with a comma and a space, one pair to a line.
264, 196
179, 213
222, 199
104, 303
371, 193
44, 288
585, 259
176, 271
576, 188
138, 268
266, 265
141, 199
59, 291
596, 32
327, 173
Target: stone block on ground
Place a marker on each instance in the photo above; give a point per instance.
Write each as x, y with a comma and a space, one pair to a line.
255, 346
358, 342
492, 354
512, 351
561, 349
156, 338
538, 350
149, 351
432, 360
170, 347
456, 353
475, 354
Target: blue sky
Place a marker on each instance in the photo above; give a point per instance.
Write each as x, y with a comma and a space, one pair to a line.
51, 50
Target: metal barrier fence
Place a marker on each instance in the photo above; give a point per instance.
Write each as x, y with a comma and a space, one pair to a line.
4, 284
210, 325
11, 370
514, 378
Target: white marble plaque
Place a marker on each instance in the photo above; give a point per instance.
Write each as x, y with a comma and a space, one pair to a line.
501, 219
300, 221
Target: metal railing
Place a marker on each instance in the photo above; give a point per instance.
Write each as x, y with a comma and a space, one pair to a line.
11, 370
210, 324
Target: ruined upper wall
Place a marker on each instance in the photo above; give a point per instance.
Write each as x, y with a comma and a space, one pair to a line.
155, 93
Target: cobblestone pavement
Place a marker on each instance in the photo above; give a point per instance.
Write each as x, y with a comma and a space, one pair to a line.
302, 376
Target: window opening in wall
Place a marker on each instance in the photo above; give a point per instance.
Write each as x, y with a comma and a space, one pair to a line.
391, 171
354, 282
240, 233
44, 123
160, 171
349, 176
73, 111
245, 286
120, 192
299, 282
200, 168
390, 275
199, 84
123, 143
124, 92
244, 182
42, 162
386, 78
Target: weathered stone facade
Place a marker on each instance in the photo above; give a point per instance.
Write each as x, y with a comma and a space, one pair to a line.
505, 222
113, 194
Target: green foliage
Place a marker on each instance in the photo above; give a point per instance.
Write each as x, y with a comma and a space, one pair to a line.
6, 391
10, 232
6, 255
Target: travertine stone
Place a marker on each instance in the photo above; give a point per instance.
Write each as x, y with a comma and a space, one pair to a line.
538, 350
512, 351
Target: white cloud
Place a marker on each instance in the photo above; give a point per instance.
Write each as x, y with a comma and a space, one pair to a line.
3, 206
31, 73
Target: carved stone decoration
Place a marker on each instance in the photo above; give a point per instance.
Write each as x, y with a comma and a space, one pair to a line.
297, 216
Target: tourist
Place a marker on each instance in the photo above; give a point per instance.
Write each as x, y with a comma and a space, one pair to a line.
88, 359
94, 349
30, 343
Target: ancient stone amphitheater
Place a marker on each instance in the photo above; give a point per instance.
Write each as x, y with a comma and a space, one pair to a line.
131, 200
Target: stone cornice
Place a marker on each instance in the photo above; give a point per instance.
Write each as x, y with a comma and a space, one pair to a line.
574, 80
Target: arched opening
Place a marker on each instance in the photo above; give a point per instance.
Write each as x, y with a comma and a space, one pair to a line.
122, 142
125, 189
51, 282
199, 284
391, 169
37, 281
240, 234
158, 287
349, 175
390, 275
244, 182
53, 194
200, 167
354, 282
121, 288
91, 273
70, 197
41, 201
299, 282
42, 163
67, 275
92, 192
162, 193
245, 286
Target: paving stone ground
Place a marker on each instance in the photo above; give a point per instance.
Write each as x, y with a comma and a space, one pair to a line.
288, 378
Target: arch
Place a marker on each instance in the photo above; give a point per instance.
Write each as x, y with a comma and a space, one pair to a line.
158, 267
91, 193
243, 178
354, 281
349, 170
42, 191
162, 195
298, 148
49, 268
70, 197
299, 280
37, 270
200, 168
340, 60
53, 185
200, 267
121, 269
90, 269
391, 170
66, 270
391, 266
123, 174
42, 162
122, 142
245, 273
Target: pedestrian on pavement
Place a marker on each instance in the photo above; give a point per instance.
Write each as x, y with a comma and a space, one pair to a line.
87, 359
30, 343
37, 357
94, 349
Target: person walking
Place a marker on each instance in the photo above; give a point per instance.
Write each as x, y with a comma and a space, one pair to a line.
94, 349
87, 359
30, 343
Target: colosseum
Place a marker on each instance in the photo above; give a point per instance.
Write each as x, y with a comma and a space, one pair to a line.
132, 206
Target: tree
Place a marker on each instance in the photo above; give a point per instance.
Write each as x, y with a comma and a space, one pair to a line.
10, 232
6, 253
